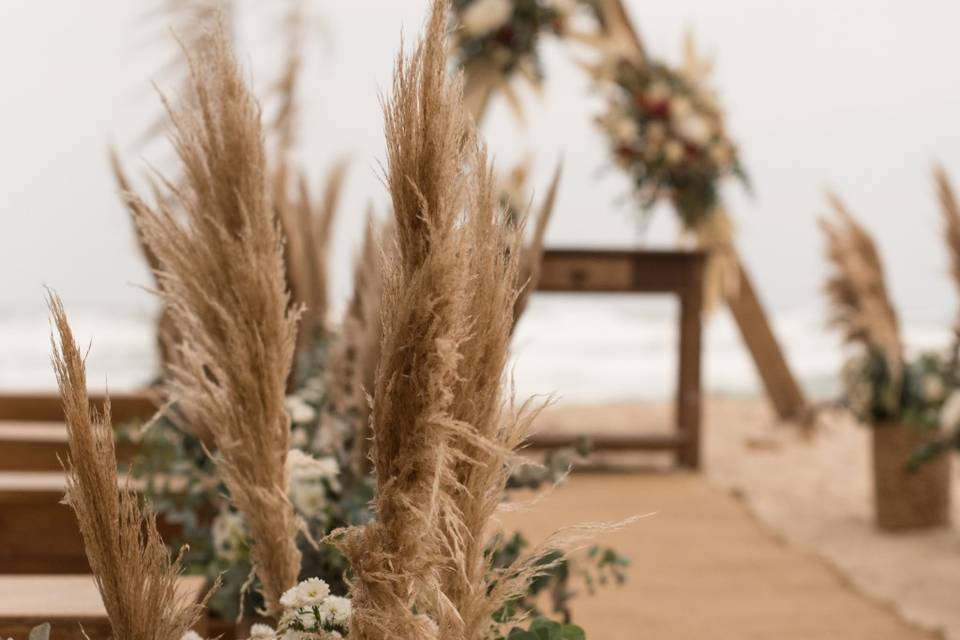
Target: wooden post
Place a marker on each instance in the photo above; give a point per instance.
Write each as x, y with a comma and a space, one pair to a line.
779, 382
688, 384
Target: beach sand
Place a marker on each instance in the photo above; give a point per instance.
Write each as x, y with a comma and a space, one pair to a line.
773, 539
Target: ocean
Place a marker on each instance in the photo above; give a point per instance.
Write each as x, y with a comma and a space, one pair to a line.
580, 349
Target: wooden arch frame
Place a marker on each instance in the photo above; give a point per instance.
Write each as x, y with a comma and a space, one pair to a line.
744, 303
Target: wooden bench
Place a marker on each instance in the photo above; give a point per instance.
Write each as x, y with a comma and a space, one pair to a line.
66, 602
45, 407
38, 534
679, 273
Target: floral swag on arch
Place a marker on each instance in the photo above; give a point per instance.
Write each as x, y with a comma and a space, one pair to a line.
664, 125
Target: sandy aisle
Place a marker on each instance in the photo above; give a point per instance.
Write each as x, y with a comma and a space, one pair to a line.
703, 568
815, 493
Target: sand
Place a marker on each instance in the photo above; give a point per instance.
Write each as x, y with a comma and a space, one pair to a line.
809, 491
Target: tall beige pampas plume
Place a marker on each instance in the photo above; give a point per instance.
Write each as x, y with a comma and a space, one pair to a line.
443, 435
397, 559
532, 256
352, 370
134, 572
860, 303
307, 226
950, 209
222, 279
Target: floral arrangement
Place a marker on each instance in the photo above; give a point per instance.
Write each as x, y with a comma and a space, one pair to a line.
328, 493
923, 396
506, 33
420, 558
668, 135
881, 384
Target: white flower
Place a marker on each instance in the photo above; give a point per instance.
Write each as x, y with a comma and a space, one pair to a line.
950, 413
694, 128
721, 154
191, 635
300, 412
262, 632
673, 151
658, 91
308, 498
299, 438
307, 619
625, 130
336, 610
308, 593
656, 133
680, 108
302, 466
229, 532
483, 16
330, 435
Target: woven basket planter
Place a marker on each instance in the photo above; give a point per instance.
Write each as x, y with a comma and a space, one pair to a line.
908, 499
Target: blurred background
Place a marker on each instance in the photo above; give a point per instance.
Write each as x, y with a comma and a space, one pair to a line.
858, 96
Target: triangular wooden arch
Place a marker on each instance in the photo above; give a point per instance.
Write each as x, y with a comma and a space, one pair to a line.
780, 384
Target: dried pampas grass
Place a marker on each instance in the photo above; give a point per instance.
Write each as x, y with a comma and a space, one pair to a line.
134, 572
307, 226
443, 434
352, 369
950, 209
222, 279
532, 258
857, 290
397, 559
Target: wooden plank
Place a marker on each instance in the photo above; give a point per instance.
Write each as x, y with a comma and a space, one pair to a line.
781, 386
608, 442
38, 534
38, 446
45, 407
66, 602
615, 271
688, 384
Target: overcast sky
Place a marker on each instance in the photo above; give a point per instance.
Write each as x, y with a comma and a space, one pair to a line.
858, 95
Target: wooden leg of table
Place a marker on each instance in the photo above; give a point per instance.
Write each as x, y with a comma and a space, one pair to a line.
779, 382
688, 389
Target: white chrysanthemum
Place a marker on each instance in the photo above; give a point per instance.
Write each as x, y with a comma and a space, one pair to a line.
300, 412
483, 16
229, 532
262, 632
658, 91
694, 128
313, 390
307, 619
626, 130
336, 610
308, 498
680, 108
721, 154
190, 635
673, 151
308, 593
304, 466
